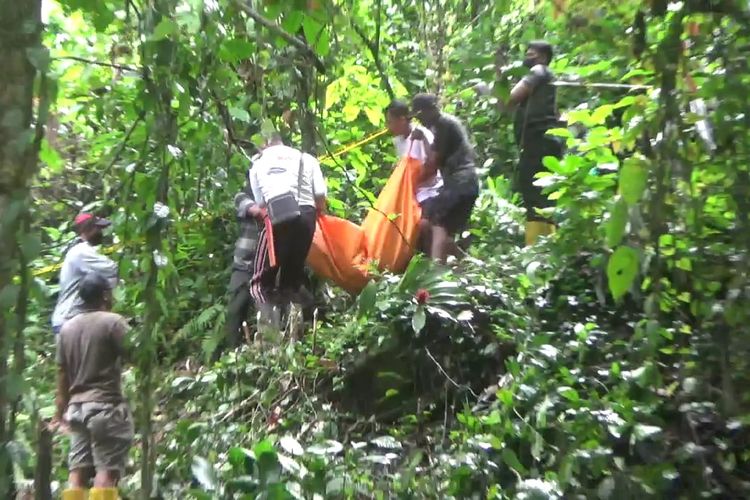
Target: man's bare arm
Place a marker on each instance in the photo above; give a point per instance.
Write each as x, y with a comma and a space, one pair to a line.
62, 396
519, 93
430, 167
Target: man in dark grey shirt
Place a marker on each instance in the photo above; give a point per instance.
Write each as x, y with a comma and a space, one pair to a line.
535, 101
452, 154
89, 401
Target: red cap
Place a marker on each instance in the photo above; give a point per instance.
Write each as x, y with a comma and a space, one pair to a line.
85, 218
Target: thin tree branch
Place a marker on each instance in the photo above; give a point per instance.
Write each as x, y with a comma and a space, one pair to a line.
124, 143
278, 30
445, 374
373, 48
137, 12
97, 63
377, 26
227, 120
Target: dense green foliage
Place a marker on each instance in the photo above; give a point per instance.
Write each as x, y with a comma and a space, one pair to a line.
608, 361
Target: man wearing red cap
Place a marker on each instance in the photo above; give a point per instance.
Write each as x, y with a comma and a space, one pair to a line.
82, 259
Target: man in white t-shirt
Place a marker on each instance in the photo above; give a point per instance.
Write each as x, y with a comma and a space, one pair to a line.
398, 121
82, 259
278, 171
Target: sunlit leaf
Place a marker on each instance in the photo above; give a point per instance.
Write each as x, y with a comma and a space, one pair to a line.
328, 447
50, 157
618, 220
291, 445
633, 179
240, 114
419, 319
293, 21
386, 442
204, 473
236, 50
622, 269
165, 29
239, 456
323, 45
367, 299
511, 460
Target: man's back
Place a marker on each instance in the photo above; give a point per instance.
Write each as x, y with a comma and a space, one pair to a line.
455, 152
277, 172
80, 260
90, 349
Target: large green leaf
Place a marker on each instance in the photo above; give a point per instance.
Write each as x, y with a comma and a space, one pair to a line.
618, 220
165, 29
419, 319
633, 179
269, 468
511, 460
292, 21
367, 299
240, 114
50, 157
622, 270
323, 43
312, 29
235, 50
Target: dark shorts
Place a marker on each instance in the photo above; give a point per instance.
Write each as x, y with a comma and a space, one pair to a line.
428, 206
451, 209
530, 164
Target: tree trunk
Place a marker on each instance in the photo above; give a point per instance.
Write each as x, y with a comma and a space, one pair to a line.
158, 62
43, 472
20, 46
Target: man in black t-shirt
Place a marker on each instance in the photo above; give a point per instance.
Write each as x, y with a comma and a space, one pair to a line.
535, 102
453, 155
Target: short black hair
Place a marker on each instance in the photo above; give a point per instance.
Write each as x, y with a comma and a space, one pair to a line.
275, 137
544, 48
92, 288
398, 108
424, 101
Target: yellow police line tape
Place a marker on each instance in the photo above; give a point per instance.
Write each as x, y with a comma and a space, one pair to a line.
111, 249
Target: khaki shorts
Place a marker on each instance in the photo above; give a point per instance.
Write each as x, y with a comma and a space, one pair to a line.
102, 434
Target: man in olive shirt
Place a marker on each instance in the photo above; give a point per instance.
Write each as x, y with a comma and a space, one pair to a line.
535, 101
452, 155
89, 395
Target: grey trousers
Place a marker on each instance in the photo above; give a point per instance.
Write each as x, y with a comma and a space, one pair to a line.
240, 302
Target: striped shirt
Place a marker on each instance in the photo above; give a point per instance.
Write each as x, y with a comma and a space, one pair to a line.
244, 247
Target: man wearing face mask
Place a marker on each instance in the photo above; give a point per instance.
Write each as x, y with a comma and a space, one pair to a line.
82, 259
534, 99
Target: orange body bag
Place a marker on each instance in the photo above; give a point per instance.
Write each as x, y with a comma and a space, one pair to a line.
342, 251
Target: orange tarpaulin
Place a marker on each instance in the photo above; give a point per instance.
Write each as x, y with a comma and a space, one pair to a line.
342, 251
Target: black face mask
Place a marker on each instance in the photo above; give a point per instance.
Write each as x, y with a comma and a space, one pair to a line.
96, 238
529, 62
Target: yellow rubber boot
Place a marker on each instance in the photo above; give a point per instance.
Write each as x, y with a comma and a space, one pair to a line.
535, 229
74, 494
103, 494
